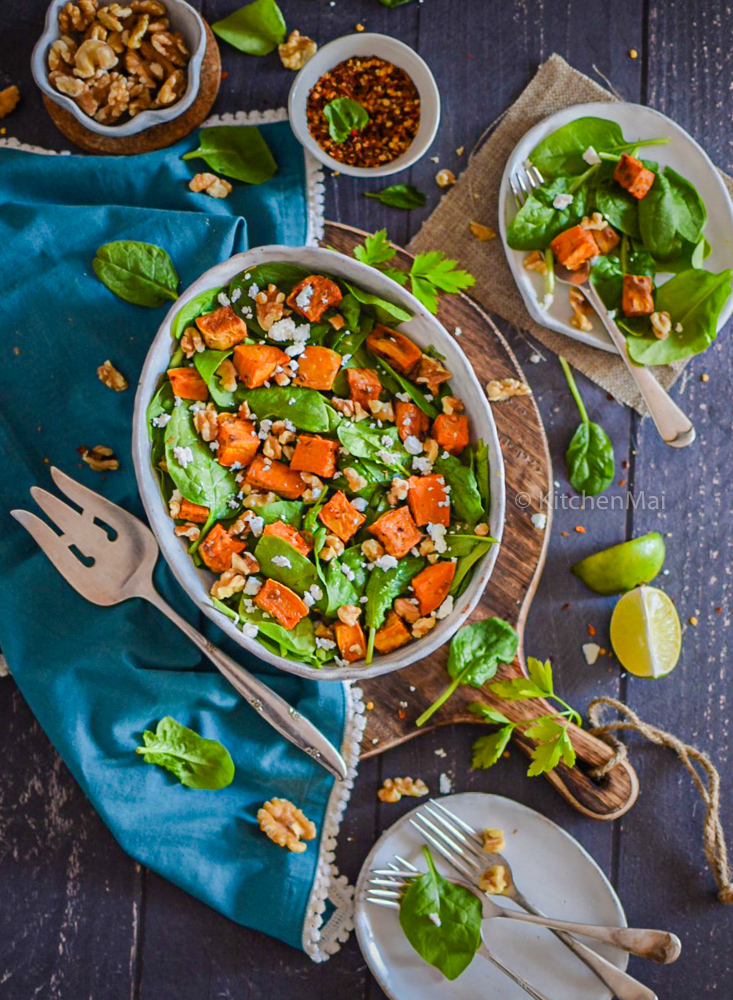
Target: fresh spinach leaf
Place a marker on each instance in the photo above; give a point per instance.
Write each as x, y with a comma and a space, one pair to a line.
195, 761
465, 564
338, 589
442, 921
465, 497
207, 364
589, 456
141, 273
616, 205
345, 117
538, 222
200, 478
694, 300
378, 444
306, 408
475, 653
689, 206
399, 196
289, 511
298, 573
204, 302
351, 311
561, 153
481, 471
257, 29
297, 643
386, 312
382, 587
686, 256
161, 404
658, 219
237, 151
395, 383
608, 271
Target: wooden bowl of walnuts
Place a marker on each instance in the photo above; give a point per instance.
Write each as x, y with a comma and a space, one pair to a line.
120, 68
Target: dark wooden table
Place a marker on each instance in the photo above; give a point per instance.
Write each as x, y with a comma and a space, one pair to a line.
78, 918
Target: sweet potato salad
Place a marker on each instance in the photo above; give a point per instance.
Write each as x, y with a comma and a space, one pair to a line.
316, 461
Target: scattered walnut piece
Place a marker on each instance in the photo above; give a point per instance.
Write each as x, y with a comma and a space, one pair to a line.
171, 46
269, 305
393, 789
174, 504
432, 373
77, 16
69, 85
398, 491
535, 261
424, 625
355, 480
581, 310
494, 880
406, 607
596, 221
445, 178
215, 187
61, 55
108, 374
661, 324
382, 411
229, 583
206, 423
372, 549
172, 89
192, 342
451, 405
493, 840
349, 614
430, 449
188, 530
285, 824
499, 389
99, 458
227, 375
296, 50
482, 233
332, 547
427, 545
481, 529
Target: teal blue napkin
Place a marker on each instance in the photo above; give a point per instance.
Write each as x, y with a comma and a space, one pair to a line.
97, 677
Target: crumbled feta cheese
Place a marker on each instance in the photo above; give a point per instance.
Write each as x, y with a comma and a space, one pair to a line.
286, 329
295, 349
363, 600
235, 466
162, 420
236, 294
223, 299
177, 401
341, 662
445, 784
348, 573
437, 534
232, 502
386, 562
325, 643
429, 396
253, 290
413, 445
282, 561
534, 359
404, 397
539, 520
309, 600
445, 456
360, 504
590, 652
591, 157
315, 591
434, 919
304, 297
214, 445
184, 456
440, 752
422, 464
345, 359
250, 630
388, 457
252, 586
457, 332
678, 328
561, 201
256, 525
445, 609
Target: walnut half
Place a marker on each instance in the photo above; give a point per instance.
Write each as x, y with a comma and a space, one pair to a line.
286, 825
393, 789
296, 51
111, 377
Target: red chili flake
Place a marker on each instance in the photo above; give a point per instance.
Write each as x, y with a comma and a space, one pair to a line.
401, 714
224, 74
591, 630
718, 611
564, 534
565, 607
580, 529
622, 482
610, 397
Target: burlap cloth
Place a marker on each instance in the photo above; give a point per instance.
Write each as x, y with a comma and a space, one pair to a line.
475, 197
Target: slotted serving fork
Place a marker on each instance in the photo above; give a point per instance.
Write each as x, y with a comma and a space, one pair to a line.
674, 426
122, 567
390, 901
462, 847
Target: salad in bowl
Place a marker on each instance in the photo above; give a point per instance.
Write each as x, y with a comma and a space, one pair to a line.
321, 468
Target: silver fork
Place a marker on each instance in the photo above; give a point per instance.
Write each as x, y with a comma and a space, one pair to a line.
391, 902
462, 847
123, 568
674, 426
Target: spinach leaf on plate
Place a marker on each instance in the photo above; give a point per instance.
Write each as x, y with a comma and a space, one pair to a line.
237, 151
394, 383
538, 222
465, 497
689, 206
382, 587
616, 205
141, 273
589, 456
200, 479
207, 364
298, 643
289, 511
442, 921
344, 116
378, 444
658, 218
686, 256
608, 271
465, 564
195, 761
399, 196
204, 302
561, 153
386, 312
481, 471
257, 29
306, 408
298, 573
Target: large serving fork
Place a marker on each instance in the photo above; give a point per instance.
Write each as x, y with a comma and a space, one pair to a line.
374, 896
122, 564
674, 426
462, 848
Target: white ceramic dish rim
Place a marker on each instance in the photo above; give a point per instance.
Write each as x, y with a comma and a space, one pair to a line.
331, 55
465, 380
146, 119
361, 907
600, 109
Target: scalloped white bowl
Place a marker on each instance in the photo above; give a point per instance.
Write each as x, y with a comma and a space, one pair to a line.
183, 18
425, 330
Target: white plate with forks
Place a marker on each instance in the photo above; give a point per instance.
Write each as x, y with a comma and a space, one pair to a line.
551, 869
682, 154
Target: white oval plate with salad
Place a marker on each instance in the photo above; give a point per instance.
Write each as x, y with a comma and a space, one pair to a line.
552, 869
682, 154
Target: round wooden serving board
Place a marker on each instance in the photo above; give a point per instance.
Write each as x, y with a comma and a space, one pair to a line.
513, 583
157, 136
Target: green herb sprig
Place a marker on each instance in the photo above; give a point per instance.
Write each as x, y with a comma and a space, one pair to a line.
589, 456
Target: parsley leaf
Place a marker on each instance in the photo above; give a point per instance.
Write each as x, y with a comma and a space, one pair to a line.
375, 250
488, 749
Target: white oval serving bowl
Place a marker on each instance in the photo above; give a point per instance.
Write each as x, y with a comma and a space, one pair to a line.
425, 330
384, 47
182, 17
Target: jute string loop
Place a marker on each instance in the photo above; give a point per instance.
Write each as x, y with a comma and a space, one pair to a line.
699, 766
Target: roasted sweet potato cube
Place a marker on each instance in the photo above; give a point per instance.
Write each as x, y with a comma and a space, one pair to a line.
396, 349
282, 603
238, 441
431, 373
341, 517
574, 247
255, 363
636, 295
351, 642
393, 634
428, 501
606, 239
289, 534
431, 585
313, 296
218, 547
317, 368
277, 477
364, 385
411, 421
188, 384
396, 531
633, 175
193, 512
315, 454
450, 430
222, 329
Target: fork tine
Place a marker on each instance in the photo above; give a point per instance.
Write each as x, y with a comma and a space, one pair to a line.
384, 894
52, 544
519, 198
383, 902
406, 864
459, 822
449, 857
522, 184
535, 175
470, 861
92, 503
468, 846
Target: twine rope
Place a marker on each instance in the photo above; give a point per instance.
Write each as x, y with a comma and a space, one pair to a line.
698, 765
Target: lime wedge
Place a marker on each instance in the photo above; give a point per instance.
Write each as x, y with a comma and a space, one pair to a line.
623, 567
645, 632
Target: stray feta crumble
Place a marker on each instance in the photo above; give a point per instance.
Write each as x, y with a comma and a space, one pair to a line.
434, 919
236, 294
253, 290
282, 561
421, 463
437, 534
458, 332
386, 562
440, 752
539, 520
341, 662
413, 445
445, 609
590, 652
286, 329
445, 784
162, 420
325, 643
315, 591
250, 630
309, 600
304, 297
561, 201
388, 457
184, 456
256, 525
591, 157
223, 299
534, 359
252, 586
404, 397
678, 328
360, 504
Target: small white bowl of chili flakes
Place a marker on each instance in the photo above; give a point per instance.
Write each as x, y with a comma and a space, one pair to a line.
393, 88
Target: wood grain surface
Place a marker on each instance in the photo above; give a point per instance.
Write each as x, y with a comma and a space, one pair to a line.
528, 480
79, 919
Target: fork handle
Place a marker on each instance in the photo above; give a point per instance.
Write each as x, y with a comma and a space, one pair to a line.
674, 426
528, 988
273, 709
659, 946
